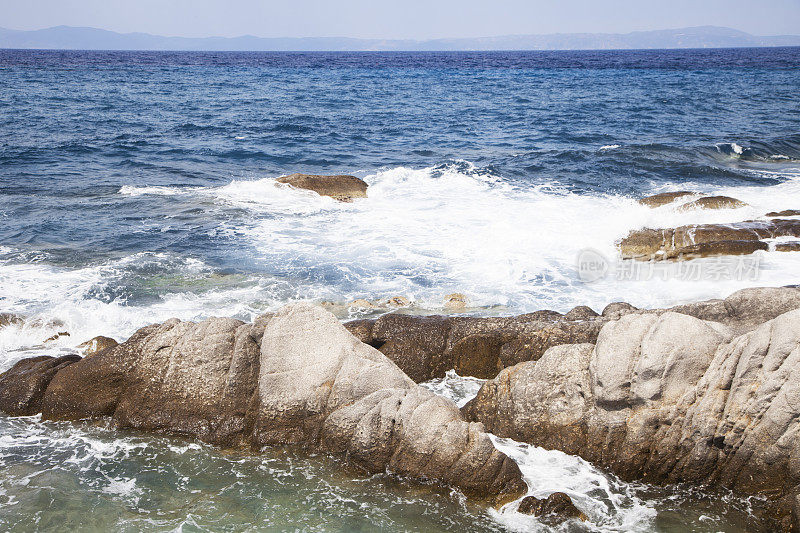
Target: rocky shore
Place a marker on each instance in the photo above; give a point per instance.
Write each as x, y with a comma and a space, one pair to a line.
705, 393
706, 240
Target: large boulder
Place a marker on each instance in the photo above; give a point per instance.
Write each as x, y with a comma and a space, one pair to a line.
341, 187
318, 384
295, 377
666, 398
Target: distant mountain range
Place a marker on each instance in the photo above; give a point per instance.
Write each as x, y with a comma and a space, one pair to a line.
68, 37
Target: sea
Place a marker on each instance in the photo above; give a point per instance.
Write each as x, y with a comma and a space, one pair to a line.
140, 186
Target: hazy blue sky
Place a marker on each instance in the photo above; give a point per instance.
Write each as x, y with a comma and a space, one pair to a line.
416, 19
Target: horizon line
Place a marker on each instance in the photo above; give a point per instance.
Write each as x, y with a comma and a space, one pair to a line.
417, 40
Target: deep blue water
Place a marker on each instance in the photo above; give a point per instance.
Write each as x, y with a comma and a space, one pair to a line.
138, 186
75, 126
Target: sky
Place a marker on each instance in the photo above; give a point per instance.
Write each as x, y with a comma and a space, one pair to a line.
393, 19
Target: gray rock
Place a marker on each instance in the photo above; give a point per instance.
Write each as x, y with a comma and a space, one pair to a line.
667, 398
294, 377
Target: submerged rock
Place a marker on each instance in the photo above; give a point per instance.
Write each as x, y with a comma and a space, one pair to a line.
713, 202
664, 198
556, 507
294, 377
665, 398
341, 187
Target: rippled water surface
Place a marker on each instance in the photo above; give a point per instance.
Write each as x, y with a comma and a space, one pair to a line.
139, 186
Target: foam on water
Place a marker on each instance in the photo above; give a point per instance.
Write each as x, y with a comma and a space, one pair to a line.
610, 505
427, 232
422, 233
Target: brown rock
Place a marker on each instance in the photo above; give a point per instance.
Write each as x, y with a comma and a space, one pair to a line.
57, 336
341, 187
618, 309
717, 248
793, 246
646, 244
581, 312
557, 507
395, 301
786, 213
685, 242
22, 386
713, 202
478, 355
664, 198
362, 330
10, 319
415, 344
97, 344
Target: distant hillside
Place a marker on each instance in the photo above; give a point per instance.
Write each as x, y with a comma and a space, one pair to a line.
67, 37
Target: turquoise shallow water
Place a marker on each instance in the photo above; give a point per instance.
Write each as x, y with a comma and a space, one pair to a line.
138, 186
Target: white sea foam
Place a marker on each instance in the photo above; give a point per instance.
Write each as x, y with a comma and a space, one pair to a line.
609, 504
130, 190
425, 233
609, 147
421, 233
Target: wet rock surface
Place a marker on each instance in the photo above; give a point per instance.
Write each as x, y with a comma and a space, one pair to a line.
340, 187
667, 397
785, 213
294, 377
22, 387
664, 198
555, 508
713, 202
704, 240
